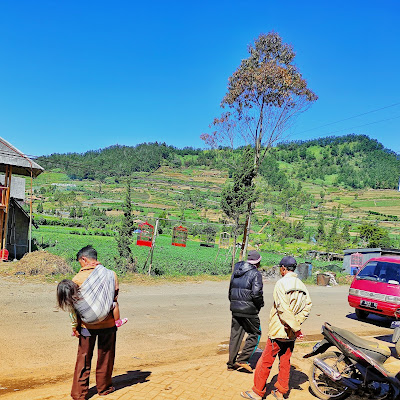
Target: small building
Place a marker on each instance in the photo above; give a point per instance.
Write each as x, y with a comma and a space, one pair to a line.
18, 230
15, 222
365, 255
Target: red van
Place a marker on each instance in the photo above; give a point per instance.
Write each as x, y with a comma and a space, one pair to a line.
376, 288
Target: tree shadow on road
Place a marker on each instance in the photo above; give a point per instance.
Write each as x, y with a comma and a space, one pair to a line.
130, 378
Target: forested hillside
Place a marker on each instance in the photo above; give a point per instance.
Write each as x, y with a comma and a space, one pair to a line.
352, 161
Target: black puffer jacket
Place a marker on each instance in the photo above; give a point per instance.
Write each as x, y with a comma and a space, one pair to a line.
246, 290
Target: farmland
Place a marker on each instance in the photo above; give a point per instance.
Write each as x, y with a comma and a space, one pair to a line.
194, 259
298, 208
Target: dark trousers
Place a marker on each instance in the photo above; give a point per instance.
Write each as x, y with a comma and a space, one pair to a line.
283, 349
106, 339
240, 326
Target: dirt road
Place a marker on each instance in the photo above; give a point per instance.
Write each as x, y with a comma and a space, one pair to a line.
168, 323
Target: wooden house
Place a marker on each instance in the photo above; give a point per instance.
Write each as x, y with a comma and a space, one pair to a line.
15, 223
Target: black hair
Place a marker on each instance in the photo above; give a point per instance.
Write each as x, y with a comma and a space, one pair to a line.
88, 252
67, 294
291, 267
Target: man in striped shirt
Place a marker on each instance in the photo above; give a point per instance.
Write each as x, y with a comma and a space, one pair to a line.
105, 333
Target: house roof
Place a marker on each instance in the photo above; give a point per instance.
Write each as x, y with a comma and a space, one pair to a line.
21, 164
384, 250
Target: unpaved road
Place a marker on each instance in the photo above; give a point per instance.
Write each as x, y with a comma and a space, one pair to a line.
167, 323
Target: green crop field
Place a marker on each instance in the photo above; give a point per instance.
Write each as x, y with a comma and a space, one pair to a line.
61, 242
167, 259
377, 203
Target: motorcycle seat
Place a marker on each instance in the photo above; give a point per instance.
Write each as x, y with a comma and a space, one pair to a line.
379, 352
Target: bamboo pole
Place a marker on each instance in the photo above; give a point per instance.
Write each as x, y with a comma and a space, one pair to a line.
152, 245
30, 217
1, 227
7, 183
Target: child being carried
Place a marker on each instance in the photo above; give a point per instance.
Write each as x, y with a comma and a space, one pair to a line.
69, 298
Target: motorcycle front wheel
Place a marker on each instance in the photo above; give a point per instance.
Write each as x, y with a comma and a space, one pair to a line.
322, 386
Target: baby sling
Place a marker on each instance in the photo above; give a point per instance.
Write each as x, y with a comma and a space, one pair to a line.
96, 295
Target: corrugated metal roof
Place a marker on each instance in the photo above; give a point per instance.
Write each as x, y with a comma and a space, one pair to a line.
384, 250
21, 164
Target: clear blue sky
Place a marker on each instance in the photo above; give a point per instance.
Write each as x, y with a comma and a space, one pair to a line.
82, 75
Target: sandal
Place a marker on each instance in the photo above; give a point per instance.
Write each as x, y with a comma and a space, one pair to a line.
245, 365
250, 395
108, 391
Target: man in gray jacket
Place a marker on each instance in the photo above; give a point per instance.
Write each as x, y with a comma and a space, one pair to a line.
246, 298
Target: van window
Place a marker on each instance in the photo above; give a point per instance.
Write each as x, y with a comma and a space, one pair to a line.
381, 272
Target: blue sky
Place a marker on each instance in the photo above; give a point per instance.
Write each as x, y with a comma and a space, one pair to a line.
77, 76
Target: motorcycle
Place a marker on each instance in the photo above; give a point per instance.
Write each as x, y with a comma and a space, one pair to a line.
356, 367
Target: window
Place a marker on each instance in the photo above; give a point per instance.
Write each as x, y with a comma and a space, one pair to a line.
381, 272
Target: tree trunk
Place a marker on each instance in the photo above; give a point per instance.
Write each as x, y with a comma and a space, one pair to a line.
235, 236
245, 241
234, 252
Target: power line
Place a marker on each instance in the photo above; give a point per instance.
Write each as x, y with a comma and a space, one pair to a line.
75, 164
360, 126
346, 119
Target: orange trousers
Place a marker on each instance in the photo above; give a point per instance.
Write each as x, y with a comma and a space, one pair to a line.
274, 347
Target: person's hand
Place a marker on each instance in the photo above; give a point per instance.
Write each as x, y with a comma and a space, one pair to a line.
75, 332
299, 335
287, 329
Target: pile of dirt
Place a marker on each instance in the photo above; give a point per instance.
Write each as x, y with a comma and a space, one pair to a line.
345, 279
42, 263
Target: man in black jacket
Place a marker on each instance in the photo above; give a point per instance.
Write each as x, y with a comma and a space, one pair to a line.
246, 297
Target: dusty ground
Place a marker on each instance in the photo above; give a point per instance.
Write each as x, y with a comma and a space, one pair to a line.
168, 324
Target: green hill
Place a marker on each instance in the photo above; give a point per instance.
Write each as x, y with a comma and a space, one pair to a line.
352, 161
312, 195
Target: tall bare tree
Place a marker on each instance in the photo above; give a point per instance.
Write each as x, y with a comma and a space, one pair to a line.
265, 94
